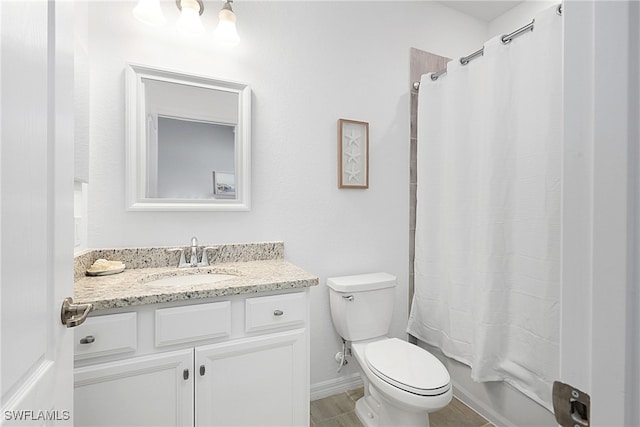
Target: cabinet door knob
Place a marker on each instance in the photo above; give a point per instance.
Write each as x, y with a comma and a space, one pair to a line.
278, 313
202, 370
185, 374
88, 339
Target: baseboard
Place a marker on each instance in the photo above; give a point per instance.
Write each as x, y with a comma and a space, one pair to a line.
335, 386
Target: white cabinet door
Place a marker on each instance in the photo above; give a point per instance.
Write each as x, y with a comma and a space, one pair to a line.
261, 381
152, 390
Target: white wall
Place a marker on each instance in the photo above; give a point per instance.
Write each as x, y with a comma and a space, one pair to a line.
518, 16
309, 64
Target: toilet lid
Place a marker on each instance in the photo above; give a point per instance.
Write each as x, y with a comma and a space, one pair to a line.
407, 366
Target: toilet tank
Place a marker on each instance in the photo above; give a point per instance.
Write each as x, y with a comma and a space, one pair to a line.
362, 305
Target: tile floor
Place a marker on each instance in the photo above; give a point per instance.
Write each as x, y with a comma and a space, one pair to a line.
339, 411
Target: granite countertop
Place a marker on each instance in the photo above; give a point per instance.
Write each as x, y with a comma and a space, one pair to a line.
132, 287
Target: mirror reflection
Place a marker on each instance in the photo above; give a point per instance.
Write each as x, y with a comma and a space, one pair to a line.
205, 147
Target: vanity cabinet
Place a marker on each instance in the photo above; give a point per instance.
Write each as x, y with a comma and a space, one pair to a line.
254, 382
241, 361
141, 391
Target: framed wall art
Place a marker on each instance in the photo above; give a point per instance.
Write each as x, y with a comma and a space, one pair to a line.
224, 185
353, 154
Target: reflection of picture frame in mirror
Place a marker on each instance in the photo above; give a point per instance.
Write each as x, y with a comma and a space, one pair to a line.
224, 185
353, 154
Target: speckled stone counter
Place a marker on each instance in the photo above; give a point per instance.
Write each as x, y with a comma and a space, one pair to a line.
164, 257
134, 286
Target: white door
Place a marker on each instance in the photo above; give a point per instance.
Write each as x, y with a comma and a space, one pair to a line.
600, 354
36, 196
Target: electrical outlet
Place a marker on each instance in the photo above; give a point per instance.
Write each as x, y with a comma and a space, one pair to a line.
571, 406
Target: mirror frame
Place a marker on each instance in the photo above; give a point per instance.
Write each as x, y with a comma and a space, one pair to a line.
136, 142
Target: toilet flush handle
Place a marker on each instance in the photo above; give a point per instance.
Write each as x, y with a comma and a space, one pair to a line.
348, 297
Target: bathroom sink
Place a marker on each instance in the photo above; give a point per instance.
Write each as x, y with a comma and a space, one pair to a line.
190, 279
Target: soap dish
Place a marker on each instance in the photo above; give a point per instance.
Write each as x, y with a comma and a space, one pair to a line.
102, 267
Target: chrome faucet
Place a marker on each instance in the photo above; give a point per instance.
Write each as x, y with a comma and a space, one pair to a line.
194, 252
193, 260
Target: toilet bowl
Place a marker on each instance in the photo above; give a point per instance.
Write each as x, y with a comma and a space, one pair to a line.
407, 382
402, 382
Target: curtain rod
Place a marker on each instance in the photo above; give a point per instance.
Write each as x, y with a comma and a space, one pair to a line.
505, 39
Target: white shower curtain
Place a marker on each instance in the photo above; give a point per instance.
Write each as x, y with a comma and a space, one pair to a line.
487, 258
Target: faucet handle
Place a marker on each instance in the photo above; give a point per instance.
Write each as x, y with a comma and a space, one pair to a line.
205, 260
183, 261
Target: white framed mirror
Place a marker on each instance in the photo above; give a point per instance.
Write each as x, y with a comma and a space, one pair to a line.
188, 142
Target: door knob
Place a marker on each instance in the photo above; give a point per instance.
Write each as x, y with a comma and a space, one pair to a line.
72, 314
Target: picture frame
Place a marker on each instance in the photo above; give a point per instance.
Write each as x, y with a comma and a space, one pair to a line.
353, 154
224, 185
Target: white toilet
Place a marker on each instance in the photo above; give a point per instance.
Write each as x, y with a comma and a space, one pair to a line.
402, 382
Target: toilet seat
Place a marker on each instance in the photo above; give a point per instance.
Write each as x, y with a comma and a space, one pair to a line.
407, 366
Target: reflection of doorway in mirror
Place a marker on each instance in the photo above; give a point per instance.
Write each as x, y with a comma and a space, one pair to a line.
224, 184
187, 152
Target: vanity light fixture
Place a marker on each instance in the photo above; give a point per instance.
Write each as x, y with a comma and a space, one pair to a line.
189, 21
226, 31
150, 12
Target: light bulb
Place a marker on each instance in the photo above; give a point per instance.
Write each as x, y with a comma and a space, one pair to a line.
226, 31
149, 12
189, 21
